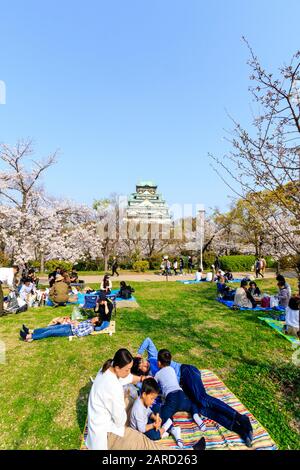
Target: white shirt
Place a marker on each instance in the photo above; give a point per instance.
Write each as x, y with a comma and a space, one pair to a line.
7, 276
292, 318
209, 277
139, 416
106, 410
198, 276
167, 379
25, 290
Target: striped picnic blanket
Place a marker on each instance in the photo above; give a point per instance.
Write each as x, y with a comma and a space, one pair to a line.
278, 326
216, 436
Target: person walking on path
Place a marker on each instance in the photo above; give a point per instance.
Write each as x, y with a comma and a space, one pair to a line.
114, 267
190, 264
181, 265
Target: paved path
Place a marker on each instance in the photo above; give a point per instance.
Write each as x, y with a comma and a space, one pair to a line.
146, 277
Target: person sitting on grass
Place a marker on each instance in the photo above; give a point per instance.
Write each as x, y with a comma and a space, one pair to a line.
59, 292
147, 420
104, 308
253, 289
281, 278
283, 295
225, 292
125, 291
74, 276
198, 277
228, 276
106, 284
243, 298
191, 382
74, 328
28, 292
175, 398
292, 324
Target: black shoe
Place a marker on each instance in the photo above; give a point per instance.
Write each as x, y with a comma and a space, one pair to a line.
25, 329
23, 335
200, 445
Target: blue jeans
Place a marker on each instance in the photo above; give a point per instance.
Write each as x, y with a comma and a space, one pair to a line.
56, 330
104, 325
177, 401
211, 407
153, 434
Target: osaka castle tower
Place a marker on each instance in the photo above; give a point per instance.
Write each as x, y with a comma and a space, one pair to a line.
146, 205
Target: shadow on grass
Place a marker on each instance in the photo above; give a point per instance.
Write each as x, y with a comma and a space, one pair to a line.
82, 405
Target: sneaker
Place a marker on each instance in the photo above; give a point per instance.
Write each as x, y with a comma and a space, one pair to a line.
25, 329
200, 445
23, 335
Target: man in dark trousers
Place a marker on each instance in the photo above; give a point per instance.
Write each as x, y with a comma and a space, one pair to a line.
114, 267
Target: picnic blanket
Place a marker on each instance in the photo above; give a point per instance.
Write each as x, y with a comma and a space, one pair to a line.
203, 280
110, 330
278, 326
229, 304
81, 297
216, 436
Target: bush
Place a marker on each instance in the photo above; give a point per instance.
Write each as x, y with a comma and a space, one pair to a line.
52, 264
271, 262
4, 260
237, 262
155, 262
141, 266
35, 264
90, 265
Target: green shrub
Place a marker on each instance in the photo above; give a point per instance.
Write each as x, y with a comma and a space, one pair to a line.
90, 265
237, 262
271, 262
155, 262
34, 264
141, 266
52, 264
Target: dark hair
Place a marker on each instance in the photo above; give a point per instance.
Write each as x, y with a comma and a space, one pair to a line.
244, 283
15, 266
281, 284
123, 284
164, 357
294, 303
105, 280
135, 369
121, 359
252, 283
280, 278
150, 386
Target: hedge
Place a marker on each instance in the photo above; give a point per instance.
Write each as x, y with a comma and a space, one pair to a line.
237, 262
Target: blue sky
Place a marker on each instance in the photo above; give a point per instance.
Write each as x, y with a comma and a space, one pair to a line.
135, 89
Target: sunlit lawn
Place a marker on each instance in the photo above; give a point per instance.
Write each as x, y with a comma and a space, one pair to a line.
44, 385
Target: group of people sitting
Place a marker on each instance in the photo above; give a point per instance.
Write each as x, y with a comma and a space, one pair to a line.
248, 295
213, 276
114, 424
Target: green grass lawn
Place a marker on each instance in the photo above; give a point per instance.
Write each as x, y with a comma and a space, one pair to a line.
44, 385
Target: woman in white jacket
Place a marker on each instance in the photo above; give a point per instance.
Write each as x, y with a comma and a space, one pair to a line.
106, 409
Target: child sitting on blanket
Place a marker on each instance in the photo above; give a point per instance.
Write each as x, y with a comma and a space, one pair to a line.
143, 418
175, 398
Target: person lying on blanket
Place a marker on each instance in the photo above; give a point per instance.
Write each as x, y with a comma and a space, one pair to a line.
189, 378
145, 418
175, 398
74, 328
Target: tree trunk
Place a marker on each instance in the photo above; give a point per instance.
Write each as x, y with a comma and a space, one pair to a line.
42, 262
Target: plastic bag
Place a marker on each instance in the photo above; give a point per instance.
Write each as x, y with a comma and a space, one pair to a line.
76, 314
